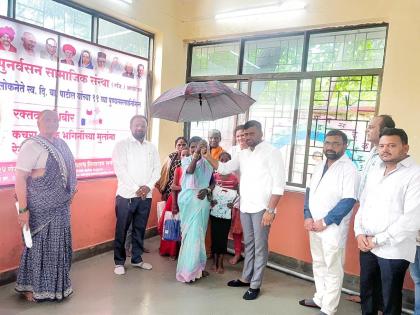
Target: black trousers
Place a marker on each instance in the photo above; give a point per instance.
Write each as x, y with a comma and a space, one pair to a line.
135, 211
381, 282
219, 234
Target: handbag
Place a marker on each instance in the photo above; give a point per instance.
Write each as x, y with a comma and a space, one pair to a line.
171, 227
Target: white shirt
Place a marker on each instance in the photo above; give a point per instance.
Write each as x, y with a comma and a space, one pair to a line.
390, 210
340, 181
262, 174
234, 151
135, 164
31, 156
372, 160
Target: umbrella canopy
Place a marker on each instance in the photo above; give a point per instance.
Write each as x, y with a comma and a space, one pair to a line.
198, 101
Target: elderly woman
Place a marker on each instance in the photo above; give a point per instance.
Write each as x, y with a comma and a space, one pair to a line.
85, 60
45, 186
194, 205
164, 185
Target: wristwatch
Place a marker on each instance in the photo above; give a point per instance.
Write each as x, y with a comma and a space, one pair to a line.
271, 210
23, 210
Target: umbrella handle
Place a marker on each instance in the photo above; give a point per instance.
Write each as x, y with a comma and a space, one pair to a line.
200, 99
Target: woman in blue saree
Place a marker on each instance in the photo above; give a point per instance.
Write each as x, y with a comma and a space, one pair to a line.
45, 185
194, 212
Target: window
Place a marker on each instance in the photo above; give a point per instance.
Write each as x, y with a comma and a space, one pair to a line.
298, 151
345, 103
121, 38
55, 16
219, 59
296, 105
3, 7
353, 49
274, 109
281, 54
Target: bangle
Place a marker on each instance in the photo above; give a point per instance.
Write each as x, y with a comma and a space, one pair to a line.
209, 190
23, 210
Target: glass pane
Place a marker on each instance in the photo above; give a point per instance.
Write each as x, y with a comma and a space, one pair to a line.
352, 49
274, 109
121, 38
225, 126
216, 59
301, 132
281, 54
3, 7
55, 16
345, 103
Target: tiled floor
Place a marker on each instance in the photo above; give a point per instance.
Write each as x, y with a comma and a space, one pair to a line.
98, 291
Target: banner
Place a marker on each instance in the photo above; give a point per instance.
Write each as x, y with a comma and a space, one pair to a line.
94, 90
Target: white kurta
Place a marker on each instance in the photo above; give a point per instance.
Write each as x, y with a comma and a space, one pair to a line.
327, 247
339, 182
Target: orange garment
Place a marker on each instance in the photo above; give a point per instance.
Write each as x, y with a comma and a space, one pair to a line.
215, 152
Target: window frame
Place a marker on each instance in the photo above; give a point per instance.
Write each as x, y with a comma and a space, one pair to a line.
299, 76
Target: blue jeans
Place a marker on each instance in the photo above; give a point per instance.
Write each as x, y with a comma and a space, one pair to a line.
133, 211
415, 274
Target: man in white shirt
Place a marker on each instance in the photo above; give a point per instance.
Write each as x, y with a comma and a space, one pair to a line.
137, 166
387, 222
327, 211
262, 184
374, 129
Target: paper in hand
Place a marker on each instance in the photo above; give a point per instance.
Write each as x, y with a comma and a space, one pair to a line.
25, 231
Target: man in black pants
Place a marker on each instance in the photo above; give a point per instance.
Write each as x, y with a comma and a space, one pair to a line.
386, 224
137, 166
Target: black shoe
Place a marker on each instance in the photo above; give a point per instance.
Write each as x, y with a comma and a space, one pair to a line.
308, 303
237, 283
251, 294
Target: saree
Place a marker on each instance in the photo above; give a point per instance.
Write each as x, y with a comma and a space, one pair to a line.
167, 175
44, 269
194, 214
